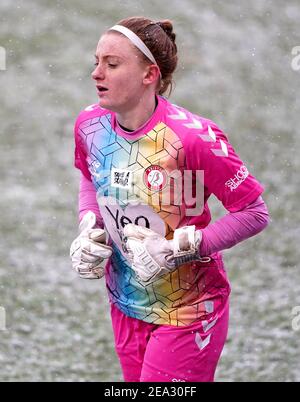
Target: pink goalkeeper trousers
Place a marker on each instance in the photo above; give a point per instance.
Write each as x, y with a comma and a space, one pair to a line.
165, 353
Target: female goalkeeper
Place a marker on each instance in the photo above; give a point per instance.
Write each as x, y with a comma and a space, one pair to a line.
148, 168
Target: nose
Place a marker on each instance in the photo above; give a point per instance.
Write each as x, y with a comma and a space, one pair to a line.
98, 73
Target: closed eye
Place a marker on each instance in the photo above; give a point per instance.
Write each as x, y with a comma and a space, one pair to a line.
109, 65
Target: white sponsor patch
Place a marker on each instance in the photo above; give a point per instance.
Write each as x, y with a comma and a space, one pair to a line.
121, 178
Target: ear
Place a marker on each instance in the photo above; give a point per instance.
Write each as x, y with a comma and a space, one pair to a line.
151, 75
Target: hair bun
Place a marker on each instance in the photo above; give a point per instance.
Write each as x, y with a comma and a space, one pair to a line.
160, 40
167, 26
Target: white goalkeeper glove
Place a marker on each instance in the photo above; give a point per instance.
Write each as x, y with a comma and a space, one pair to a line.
89, 249
152, 256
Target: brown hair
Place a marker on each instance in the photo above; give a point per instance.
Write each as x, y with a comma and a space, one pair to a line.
160, 40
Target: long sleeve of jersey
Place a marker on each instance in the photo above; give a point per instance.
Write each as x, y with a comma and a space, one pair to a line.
87, 200
234, 227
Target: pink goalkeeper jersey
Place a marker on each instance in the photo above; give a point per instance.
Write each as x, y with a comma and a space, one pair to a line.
161, 176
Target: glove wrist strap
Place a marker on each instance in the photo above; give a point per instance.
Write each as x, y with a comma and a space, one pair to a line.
186, 240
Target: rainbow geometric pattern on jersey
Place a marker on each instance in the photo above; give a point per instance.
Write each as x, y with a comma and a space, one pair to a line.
178, 298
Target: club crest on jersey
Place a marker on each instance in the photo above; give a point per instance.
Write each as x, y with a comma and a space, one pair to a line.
155, 177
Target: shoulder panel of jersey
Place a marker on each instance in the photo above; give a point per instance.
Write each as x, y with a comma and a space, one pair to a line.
196, 131
207, 148
91, 111
86, 116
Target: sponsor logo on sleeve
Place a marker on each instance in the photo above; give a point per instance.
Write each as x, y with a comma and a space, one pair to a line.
238, 178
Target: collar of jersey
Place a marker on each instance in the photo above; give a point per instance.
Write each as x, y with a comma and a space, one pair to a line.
146, 127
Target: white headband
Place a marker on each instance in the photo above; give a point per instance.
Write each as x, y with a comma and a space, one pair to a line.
135, 40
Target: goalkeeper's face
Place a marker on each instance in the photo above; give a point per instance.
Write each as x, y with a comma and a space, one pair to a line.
120, 73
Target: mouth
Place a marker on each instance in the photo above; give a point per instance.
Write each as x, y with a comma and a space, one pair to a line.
101, 89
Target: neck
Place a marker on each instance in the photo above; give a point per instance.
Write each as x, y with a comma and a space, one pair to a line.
138, 114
